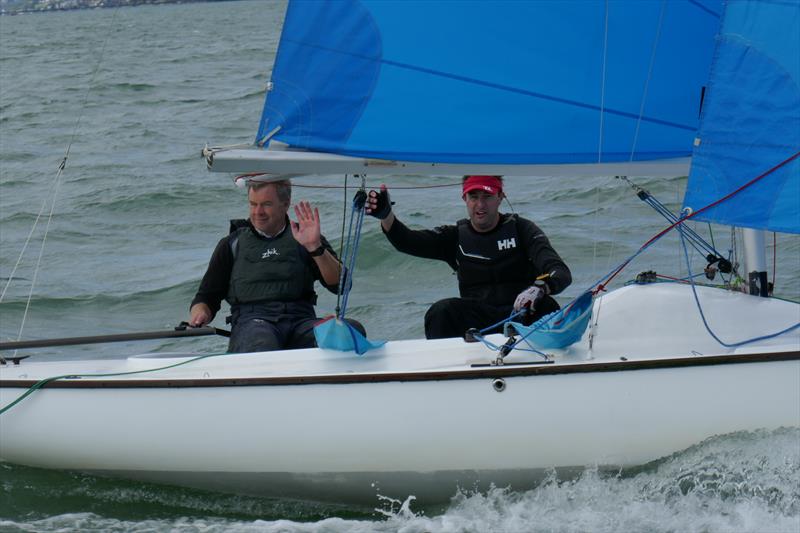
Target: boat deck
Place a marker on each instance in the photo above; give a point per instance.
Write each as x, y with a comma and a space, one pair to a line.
636, 324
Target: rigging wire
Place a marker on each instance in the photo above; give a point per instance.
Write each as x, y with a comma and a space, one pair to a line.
350, 250
315, 186
656, 40
596, 226
603, 86
600, 284
695, 239
734, 252
701, 210
58, 179
341, 244
774, 258
393, 186
41, 254
24, 247
703, 316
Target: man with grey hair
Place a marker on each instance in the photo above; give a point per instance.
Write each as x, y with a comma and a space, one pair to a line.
267, 273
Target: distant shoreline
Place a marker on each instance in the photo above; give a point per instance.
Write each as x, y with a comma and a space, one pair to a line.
46, 6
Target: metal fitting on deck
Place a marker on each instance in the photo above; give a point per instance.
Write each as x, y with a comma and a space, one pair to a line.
499, 384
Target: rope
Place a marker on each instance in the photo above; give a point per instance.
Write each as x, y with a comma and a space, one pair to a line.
349, 245
696, 240
600, 285
494, 347
703, 316
341, 245
351, 249
41, 383
686, 217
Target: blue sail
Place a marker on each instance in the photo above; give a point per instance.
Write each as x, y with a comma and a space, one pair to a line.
751, 121
503, 82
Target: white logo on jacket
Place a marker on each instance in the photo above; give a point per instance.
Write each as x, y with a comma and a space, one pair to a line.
269, 252
507, 244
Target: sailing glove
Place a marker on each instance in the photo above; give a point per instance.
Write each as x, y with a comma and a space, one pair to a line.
383, 206
530, 296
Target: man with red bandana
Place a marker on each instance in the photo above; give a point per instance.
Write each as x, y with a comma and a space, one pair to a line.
504, 262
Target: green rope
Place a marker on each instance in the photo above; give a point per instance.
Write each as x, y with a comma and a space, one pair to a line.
41, 383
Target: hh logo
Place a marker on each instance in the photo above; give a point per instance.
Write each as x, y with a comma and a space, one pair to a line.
269, 252
506, 244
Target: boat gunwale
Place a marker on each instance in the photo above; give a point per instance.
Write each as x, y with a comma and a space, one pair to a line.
473, 372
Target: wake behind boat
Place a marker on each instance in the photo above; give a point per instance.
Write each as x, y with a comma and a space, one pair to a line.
661, 366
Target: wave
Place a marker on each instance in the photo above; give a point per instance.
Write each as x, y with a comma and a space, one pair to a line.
124, 87
744, 482
102, 300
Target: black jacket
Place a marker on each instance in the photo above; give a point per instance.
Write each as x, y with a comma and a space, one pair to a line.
499, 271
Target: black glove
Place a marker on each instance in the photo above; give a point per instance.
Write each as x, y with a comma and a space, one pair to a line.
359, 199
383, 206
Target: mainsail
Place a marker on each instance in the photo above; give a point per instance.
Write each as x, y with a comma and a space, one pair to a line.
508, 83
751, 121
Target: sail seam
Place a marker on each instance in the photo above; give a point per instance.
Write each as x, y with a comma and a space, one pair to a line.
506, 88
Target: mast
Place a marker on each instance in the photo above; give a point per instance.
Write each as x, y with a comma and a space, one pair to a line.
755, 261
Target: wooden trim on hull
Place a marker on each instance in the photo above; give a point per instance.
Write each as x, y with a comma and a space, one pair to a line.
474, 372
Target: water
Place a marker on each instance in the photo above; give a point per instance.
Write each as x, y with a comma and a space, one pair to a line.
136, 216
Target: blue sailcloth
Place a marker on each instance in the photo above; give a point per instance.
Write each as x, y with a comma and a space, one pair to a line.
751, 121
336, 334
550, 82
505, 82
560, 328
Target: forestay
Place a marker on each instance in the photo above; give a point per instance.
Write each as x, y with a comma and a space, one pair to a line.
751, 120
492, 83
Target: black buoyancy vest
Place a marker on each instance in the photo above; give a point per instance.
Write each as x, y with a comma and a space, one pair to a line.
269, 269
493, 267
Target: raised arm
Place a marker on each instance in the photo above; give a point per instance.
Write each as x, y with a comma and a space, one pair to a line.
307, 231
438, 243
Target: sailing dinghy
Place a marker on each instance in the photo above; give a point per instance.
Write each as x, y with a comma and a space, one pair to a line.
540, 88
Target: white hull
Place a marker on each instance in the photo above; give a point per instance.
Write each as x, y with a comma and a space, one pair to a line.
415, 416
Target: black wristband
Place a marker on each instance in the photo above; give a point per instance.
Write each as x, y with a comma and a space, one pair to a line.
318, 252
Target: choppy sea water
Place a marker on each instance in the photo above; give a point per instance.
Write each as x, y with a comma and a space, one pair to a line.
136, 93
